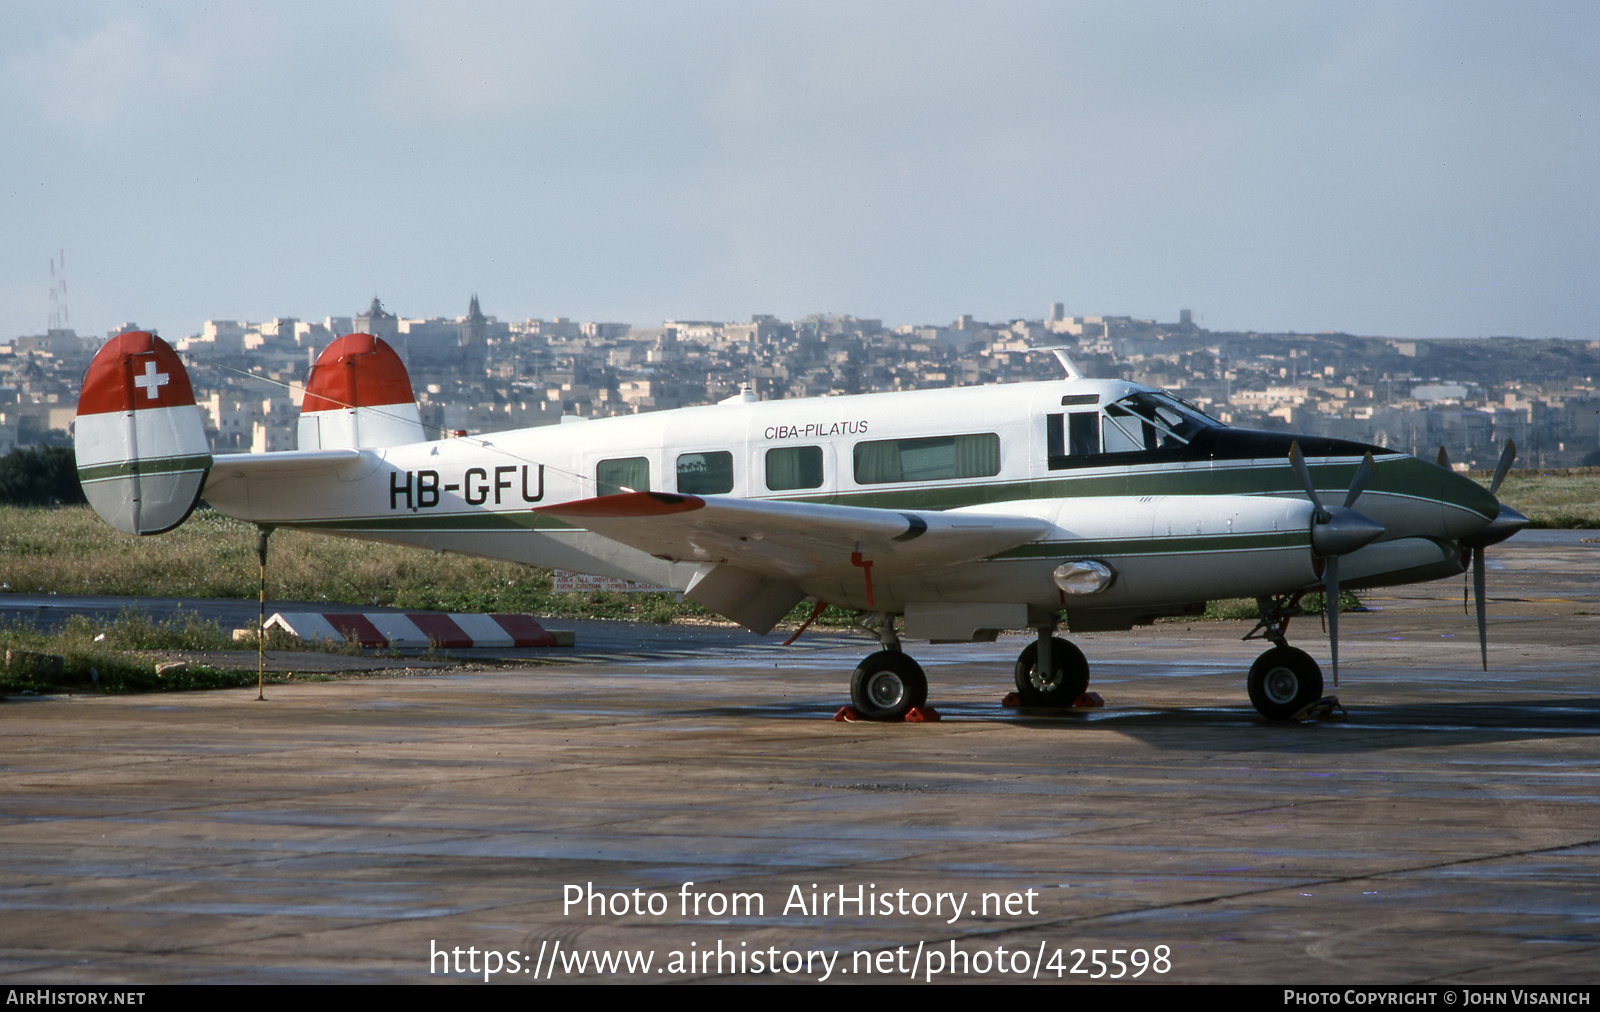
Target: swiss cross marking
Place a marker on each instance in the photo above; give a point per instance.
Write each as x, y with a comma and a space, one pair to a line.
151, 381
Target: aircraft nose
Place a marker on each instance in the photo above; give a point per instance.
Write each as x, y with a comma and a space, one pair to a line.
1343, 532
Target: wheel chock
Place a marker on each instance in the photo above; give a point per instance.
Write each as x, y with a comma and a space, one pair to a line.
915, 715
1326, 708
1087, 701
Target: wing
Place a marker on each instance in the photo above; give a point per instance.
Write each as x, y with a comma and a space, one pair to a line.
754, 553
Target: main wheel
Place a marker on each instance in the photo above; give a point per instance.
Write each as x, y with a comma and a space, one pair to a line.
1283, 681
886, 685
1060, 687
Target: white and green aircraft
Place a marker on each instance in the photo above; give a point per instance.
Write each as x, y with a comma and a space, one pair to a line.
957, 513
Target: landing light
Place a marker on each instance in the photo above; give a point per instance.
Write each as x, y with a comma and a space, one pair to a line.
1083, 576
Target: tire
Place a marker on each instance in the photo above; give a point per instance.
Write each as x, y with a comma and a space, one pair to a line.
886, 685
1283, 681
1059, 688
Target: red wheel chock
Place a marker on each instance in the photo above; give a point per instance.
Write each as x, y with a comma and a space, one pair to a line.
1087, 701
915, 715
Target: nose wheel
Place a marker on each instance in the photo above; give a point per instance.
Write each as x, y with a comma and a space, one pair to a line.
1283, 681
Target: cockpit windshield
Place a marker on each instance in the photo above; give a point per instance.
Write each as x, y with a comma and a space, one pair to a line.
1139, 422
1166, 420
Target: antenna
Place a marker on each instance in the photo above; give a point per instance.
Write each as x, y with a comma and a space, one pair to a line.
1067, 365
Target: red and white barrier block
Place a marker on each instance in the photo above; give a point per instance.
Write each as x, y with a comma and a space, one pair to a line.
419, 629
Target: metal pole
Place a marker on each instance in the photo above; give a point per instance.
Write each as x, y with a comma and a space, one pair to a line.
262, 533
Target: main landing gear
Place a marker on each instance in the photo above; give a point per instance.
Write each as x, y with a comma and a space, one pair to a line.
1283, 681
1050, 672
887, 684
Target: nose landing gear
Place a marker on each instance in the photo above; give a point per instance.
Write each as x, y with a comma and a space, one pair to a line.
1283, 681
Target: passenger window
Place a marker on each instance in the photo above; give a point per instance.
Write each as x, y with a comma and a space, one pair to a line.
794, 467
933, 459
622, 474
708, 473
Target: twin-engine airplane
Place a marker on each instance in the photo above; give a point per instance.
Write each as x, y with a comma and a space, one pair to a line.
960, 512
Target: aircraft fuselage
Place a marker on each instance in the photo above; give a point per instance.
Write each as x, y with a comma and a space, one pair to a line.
1183, 509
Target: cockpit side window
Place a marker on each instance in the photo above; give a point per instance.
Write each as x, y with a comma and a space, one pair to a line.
1127, 432
1071, 437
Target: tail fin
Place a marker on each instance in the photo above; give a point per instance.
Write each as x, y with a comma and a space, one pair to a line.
358, 394
139, 438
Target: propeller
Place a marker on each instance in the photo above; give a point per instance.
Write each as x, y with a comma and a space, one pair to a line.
1506, 523
1335, 532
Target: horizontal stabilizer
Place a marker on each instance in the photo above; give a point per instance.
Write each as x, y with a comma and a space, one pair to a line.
234, 476
139, 437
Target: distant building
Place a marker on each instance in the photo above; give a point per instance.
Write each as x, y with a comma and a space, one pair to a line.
379, 322
474, 326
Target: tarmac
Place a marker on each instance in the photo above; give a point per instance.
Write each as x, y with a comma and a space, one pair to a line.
693, 801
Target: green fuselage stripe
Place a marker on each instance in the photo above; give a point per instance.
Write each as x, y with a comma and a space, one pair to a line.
1179, 544
144, 466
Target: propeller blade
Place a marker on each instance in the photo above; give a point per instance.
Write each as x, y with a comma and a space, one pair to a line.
1501, 469
1478, 593
1330, 607
1297, 460
1358, 484
1444, 458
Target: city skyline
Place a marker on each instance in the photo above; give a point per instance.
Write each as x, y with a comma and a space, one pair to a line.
1425, 172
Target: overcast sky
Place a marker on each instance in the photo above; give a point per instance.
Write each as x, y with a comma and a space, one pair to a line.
1420, 169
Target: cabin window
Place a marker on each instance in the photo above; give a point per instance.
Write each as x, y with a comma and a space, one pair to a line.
794, 467
932, 459
709, 473
622, 474
1076, 434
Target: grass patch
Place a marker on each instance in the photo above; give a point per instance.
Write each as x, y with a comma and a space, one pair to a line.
1565, 502
69, 550
85, 656
1235, 609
